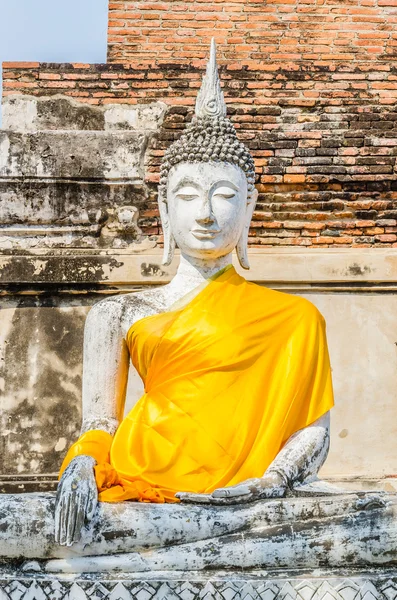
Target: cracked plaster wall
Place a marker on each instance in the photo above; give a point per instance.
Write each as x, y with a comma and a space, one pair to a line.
73, 176
71, 181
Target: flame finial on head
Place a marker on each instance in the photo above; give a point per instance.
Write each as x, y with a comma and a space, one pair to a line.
210, 135
210, 101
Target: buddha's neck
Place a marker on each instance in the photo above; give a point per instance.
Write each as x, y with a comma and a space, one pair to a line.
193, 271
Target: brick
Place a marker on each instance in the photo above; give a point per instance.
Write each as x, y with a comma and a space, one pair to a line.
18, 85
373, 230
323, 240
49, 76
365, 223
386, 222
315, 226
20, 65
294, 178
294, 224
386, 237
60, 84
345, 240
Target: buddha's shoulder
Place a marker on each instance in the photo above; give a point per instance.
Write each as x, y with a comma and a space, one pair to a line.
127, 308
285, 302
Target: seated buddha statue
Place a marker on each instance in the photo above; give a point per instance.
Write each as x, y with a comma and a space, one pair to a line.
237, 378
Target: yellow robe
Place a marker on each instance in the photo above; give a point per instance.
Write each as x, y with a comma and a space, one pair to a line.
229, 376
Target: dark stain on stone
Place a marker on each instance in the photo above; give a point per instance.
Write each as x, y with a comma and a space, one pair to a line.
151, 270
117, 535
115, 264
61, 113
57, 270
356, 269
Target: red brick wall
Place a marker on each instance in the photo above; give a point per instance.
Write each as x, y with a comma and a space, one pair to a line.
311, 86
254, 30
326, 166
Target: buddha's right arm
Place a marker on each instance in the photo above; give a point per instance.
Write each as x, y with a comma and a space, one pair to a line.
105, 367
105, 375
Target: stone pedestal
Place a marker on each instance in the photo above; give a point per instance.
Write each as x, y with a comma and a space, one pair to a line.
303, 548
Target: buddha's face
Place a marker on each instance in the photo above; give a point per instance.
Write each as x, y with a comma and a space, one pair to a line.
207, 207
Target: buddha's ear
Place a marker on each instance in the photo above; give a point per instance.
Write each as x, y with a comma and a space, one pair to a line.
169, 241
242, 244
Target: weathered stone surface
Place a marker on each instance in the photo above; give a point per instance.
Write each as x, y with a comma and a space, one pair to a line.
50, 213
362, 336
40, 380
27, 114
72, 188
80, 154
344, 270
145, 117
30, 113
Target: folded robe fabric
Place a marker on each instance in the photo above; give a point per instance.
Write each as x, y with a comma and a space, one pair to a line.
230, 375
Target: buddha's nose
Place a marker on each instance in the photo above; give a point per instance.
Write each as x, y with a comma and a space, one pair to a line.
205, 216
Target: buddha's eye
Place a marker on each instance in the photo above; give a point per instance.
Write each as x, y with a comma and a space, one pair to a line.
187, 193
224, 192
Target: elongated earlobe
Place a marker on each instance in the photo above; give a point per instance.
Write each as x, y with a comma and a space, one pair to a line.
242, 244
169, 241
241, 249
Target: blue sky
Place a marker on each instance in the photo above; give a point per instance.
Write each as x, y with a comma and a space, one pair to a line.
53, 30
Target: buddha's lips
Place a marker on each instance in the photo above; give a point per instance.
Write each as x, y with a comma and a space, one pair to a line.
205, 233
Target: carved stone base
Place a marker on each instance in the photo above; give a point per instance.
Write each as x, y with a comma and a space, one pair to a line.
377, 585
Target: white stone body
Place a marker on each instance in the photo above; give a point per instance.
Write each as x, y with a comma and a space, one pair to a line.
206, 208
207, 213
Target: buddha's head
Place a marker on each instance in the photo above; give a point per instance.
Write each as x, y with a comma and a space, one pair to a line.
206, 192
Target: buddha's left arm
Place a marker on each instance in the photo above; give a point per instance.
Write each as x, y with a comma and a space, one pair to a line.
298, 461
304, 453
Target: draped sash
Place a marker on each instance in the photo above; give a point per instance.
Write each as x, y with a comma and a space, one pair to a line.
230, 374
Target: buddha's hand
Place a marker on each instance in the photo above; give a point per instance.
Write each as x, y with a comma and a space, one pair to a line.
271, 485
76, 500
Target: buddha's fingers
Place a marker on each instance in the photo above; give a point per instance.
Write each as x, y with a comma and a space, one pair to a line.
71, 519
64, 520
59, 511
209, 499
77, 523
194, 498
58, 518
242, 489
92, 503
